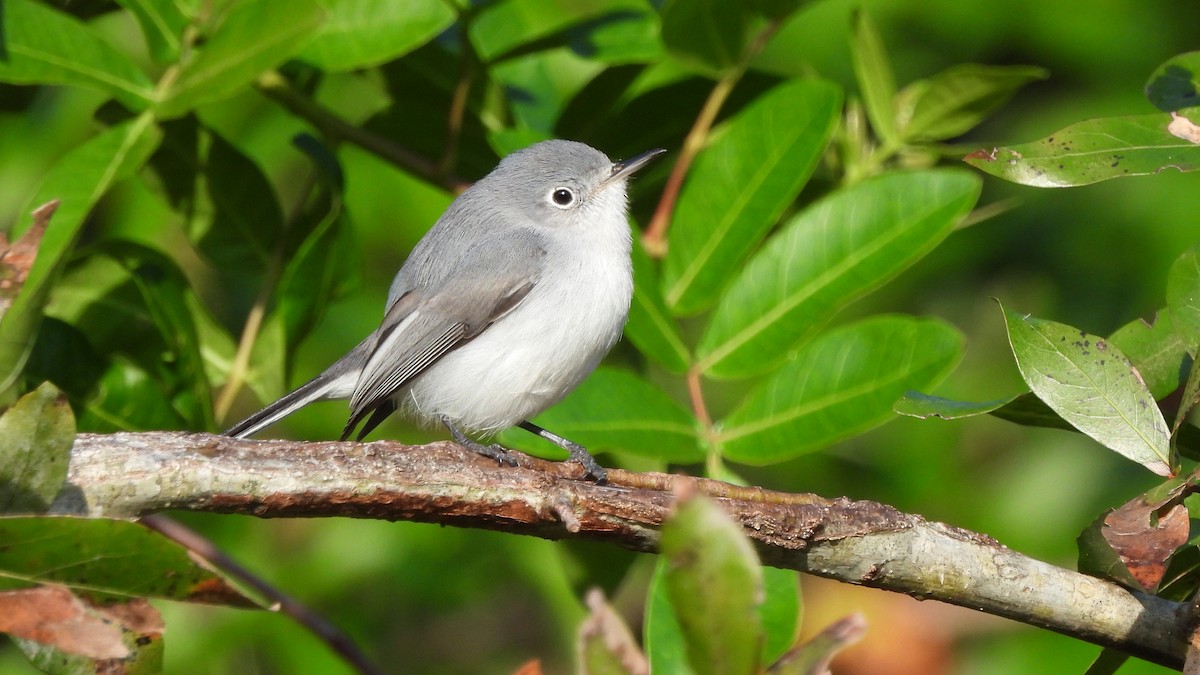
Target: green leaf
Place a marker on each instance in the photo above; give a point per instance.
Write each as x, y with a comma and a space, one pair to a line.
831, 254
1183, 297
715, 584
127, 398
162, 22
254, 37
502, 30
44, 46
165, 289
1091, 151
1187, 403
1024, 409
78, 180
36, 435
960, 97
365, 33
103, 558
1157, 350
873, 71
709, 35
666, 647
780, 611
629, 35
1031, 411
1092, 385
814, 656
1175, 84
754, 167
650, 327
924, 406
247, 224
838, 386
617, 410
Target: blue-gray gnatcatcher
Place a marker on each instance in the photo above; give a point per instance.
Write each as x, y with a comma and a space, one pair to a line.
513, 297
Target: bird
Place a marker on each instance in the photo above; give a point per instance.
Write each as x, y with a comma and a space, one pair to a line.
506, 304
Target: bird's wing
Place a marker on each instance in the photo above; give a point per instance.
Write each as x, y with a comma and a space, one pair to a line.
487, 282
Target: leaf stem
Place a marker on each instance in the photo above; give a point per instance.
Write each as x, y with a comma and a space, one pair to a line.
695, 386
458, 101
254, 318
275, 86
655, 238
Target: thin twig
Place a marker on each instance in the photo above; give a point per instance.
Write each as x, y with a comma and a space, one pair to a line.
275, 86
655, 238
316, 624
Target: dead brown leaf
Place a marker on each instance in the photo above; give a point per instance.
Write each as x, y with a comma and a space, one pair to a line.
1144, 546
53, 615
603, 624
17, 259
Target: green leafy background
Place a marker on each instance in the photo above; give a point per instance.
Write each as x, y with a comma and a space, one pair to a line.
165, 265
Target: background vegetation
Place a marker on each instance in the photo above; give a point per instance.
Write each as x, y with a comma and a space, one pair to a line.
429, 599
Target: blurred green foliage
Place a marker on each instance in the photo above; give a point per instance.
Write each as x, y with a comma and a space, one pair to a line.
223, 160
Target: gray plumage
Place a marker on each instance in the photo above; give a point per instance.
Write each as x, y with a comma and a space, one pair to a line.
502, 308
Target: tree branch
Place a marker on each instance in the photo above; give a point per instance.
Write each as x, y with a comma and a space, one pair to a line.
858, 542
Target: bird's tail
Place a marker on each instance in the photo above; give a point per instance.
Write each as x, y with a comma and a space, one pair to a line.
337, 381
316, 389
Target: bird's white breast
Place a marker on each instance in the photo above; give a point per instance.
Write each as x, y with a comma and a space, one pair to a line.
532, 357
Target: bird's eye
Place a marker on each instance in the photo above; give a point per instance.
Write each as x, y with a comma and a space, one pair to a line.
562, 196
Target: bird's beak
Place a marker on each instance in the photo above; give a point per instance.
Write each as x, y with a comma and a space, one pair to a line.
621, 170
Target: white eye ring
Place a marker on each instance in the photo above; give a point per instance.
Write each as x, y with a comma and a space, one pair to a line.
562, 197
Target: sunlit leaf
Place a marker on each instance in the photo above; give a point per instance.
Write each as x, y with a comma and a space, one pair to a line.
1092, 385
780, 611
666, 646
714, 582
873, 71
36, 435
78, 180
42, 45
502, 30
1183, 297
754, 167
627, 35
1175, 84
364, 33
1092, 151
829, 255
650, 327
105, 558
1157, 350
960, 97
255, 36
837, 386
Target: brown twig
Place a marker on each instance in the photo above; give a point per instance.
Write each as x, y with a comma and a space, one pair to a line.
655, 238
859, 542
316, 624
275, 86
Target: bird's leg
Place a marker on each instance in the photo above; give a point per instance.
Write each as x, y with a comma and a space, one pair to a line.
494, 451
577, 452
